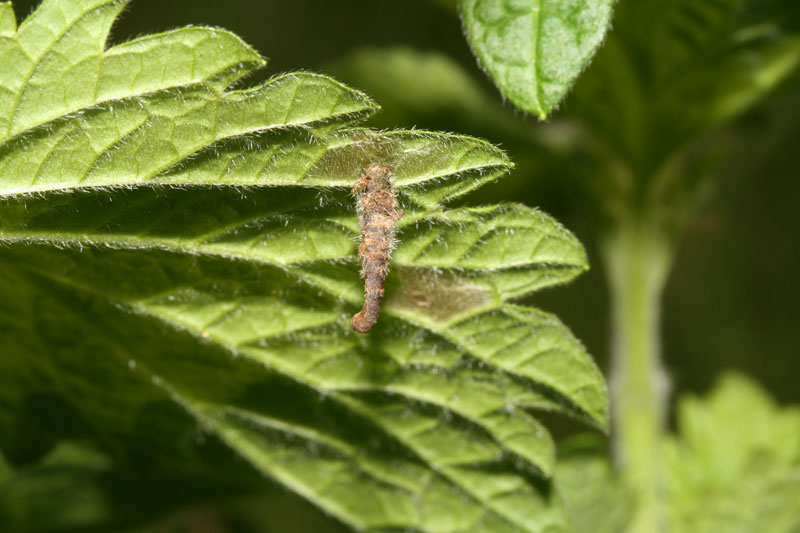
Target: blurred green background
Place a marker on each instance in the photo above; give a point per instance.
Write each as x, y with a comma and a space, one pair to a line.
732, 301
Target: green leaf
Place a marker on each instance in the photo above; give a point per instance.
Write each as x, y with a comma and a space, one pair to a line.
535, 49
594, 496
733, 465
76, 487
736, 464
178, 261
8, 23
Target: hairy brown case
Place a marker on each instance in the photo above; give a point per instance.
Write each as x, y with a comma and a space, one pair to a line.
379, 212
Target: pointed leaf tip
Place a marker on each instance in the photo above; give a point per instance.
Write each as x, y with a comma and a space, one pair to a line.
535, 49
8, 22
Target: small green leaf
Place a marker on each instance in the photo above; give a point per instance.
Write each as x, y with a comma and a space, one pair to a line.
180, 260
535, 49
735, 465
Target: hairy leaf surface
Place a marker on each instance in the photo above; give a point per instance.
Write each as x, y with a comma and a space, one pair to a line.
534, 49
178, 261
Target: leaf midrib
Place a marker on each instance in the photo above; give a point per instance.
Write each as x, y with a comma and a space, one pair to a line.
405, 189
200, 246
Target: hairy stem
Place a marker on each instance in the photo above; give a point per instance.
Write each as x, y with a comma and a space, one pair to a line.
637, 259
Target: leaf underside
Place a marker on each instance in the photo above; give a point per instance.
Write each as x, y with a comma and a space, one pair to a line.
178, 259
535, 49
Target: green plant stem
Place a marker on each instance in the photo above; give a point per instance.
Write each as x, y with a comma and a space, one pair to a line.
637, 258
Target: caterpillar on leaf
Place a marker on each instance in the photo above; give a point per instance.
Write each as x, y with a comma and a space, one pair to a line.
379, 212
